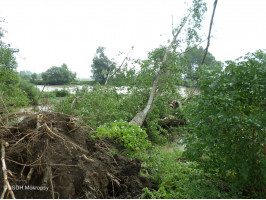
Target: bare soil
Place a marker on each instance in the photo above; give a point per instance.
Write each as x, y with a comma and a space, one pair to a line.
49, 150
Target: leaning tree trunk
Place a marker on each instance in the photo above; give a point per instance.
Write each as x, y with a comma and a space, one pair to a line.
141, 116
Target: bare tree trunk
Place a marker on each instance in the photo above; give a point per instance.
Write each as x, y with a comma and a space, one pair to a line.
140, 116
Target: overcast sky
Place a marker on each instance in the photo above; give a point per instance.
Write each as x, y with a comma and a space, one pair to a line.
52, 32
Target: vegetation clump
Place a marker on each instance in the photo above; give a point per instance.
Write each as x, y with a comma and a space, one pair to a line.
227, 123
129, 135
58, 75
178, 178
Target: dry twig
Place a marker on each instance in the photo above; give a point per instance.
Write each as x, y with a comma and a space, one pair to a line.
86, 158
4, 168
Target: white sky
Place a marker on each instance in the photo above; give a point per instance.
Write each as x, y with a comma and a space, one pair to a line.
52, 32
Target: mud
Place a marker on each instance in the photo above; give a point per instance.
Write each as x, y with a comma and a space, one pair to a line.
49, 156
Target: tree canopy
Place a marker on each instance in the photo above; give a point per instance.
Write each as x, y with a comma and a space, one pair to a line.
58, 75
8, 62
191, 61
101, 66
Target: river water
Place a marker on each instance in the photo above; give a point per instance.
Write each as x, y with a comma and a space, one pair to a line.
184, 91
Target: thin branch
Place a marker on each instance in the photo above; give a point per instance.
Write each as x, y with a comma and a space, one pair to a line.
209, 36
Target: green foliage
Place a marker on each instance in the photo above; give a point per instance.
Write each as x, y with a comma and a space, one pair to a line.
227, 122
123, 77
31, 77
175, 178
102, 105
161, 109
7, 57
101, 66
167, 84
58, 75
13, 96
61, 93
7, 64
31, 91
34, 78
9, 91
129, 135
191, 61
83, 82
150, 67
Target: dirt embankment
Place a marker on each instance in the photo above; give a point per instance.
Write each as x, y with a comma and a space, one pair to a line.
48, 156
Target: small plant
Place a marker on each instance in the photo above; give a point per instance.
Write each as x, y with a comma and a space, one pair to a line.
129, 135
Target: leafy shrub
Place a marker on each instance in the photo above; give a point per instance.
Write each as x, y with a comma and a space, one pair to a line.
177, 179
157, 133
30, 89
129, 135
227, 123
61, 93
48, 94
13, 96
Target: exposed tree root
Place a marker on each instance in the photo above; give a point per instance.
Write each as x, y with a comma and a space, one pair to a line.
49, 158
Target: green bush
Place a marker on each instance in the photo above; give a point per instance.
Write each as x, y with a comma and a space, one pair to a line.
13, 96
61, 93
228, 123
177, 179
58, 75
129, 135
30, 89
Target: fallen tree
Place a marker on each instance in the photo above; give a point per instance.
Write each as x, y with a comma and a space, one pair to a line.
193, 19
